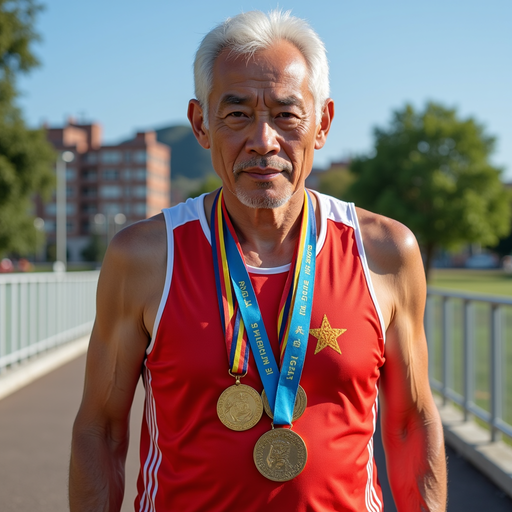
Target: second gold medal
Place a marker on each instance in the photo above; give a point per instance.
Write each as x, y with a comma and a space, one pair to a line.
239, 407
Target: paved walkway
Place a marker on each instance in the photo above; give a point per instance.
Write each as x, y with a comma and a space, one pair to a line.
35, 433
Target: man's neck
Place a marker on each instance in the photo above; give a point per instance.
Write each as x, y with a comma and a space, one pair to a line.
267, 235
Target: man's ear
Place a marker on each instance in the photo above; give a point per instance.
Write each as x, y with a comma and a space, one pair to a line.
195, 116
325, 124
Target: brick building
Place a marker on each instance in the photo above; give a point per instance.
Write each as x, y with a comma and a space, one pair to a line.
107, 187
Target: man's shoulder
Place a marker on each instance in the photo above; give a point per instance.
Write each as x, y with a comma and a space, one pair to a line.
139, 245
390, 246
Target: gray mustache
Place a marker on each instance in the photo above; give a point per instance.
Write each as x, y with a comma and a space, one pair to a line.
263, 162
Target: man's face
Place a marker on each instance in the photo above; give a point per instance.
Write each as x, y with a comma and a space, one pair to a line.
262, 128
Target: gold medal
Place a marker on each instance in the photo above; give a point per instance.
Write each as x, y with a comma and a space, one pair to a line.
239, 407
280, 454
299, 407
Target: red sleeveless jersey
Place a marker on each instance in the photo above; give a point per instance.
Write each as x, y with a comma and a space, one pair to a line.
189, 460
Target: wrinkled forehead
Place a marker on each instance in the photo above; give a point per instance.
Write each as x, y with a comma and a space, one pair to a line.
281, 62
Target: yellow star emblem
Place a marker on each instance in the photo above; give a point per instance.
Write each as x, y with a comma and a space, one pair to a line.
326, 336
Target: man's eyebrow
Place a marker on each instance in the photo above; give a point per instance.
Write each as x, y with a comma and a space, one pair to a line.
286, 101
289, 101
233, 99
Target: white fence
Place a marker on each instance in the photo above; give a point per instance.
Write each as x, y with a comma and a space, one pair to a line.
39, 311
470, 355
469, 337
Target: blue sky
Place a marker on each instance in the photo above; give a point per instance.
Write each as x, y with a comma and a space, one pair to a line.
128, 64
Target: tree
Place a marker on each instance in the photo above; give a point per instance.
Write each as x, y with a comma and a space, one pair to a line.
26, 158
430, 170
94, 251
208, 184
336, 182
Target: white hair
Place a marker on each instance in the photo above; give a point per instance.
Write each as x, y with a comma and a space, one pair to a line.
249, 32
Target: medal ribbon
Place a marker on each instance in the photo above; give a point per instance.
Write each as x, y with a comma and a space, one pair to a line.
232, 323
280, 388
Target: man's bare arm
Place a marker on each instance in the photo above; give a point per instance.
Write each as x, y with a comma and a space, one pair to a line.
411, 428
128, 289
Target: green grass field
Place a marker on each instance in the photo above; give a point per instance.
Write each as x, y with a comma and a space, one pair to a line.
489, 282
479, 282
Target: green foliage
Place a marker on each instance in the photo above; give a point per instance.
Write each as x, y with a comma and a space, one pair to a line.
16, 35
336, 183
26, 158
208, 184
431, 171
95, 250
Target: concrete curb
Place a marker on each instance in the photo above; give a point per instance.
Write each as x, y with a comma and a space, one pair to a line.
37, 366
473, 442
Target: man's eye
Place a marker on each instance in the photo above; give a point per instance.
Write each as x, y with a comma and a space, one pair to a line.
236, 114
286, 115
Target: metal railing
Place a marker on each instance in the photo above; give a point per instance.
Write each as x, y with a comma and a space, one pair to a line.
40, 311
470, 355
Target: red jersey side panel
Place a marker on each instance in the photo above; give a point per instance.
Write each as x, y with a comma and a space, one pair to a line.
189, 460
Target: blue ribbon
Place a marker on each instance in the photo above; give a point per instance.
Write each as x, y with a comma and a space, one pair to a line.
280, 387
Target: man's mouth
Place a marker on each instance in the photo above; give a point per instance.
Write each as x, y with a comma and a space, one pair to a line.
263, 167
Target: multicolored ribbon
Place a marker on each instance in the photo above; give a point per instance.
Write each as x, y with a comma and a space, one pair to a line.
232, 323
239, 308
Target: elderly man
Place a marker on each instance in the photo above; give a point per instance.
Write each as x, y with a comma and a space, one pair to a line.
264, 318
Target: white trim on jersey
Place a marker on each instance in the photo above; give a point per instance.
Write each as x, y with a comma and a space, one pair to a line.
366, 268
168, 275
267, 271
191, 210
373, 503
154, 457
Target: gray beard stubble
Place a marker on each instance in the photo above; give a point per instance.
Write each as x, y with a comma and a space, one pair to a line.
266, 202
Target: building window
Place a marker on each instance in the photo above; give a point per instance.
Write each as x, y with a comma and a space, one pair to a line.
70, 191
111, 157
139, 209
127, 174
91, 158
112, 208
139, 191
110, 174
70, 226
89, 208
158, 160
49, 226
127, 156
139, 157
110, 191
89, 192
50, 209
70, 173
139, 174
89, 175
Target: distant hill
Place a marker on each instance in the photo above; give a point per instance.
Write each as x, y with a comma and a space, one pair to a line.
188, 158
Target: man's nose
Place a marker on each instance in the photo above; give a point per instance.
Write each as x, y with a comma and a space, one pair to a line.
263, 139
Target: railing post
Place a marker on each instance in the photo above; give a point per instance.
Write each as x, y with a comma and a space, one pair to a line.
23, 314
496, 367
15, 320
3, 323
468, 340
427, 322
446, 350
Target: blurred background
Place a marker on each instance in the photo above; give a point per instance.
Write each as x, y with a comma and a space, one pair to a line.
111, 87
94, 137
